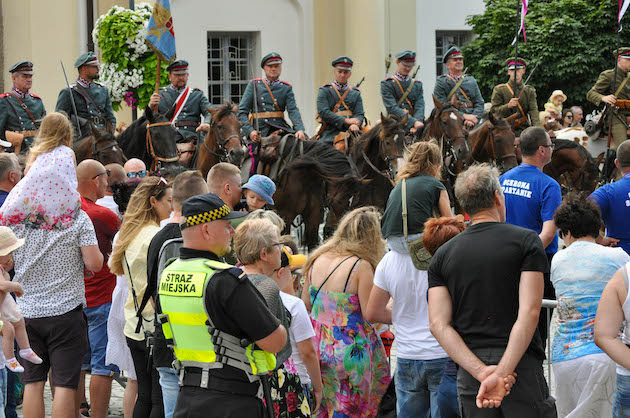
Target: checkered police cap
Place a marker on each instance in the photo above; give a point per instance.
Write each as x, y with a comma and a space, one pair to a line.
206, 208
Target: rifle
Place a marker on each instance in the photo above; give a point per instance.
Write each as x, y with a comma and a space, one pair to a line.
74, 106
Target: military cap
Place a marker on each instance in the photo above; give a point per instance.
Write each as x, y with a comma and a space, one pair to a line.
24, 67
205, 208
270, 59
513, 62
406, 55
87, 58
343, 63
452, 52
178, 67
623, 52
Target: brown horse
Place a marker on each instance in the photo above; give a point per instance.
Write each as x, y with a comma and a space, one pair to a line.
493, 142
223, 142
572, 167
446, 126
101, 146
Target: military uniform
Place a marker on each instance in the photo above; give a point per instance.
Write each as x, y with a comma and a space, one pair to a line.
21, 112
92, 99
270, 106
468, 93
194, 109
502, 94
328, 98
394, 87
604, 87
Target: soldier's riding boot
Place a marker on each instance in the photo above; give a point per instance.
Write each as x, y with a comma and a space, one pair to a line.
619, 132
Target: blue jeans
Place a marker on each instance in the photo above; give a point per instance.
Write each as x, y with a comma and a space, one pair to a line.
97, 334
419, 389
621, 401
169, 381
3, 391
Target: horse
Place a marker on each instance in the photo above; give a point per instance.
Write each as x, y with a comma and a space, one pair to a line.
573, 167
151, 138
375, 155
100, 146
493, 141
223, 142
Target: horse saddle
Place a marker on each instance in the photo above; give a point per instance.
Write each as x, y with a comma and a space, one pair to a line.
269, 148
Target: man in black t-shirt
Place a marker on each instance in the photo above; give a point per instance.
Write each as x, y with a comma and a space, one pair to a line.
485, 293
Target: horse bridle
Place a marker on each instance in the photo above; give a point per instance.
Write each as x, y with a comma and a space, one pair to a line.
493, 156
221, 152
111, 144
156, 158
389, 174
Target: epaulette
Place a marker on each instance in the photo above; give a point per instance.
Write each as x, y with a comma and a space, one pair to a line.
197, 89
257, 79
35, 96
239, 274
99, 84
327, 85
3, 95
389, 78
284, 82
355, 88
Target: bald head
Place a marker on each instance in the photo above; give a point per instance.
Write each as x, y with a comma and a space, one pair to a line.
92, 179
117, 173
623, 156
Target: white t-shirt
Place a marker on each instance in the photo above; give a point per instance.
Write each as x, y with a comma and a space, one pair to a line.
408, 286
301, 329
109, 203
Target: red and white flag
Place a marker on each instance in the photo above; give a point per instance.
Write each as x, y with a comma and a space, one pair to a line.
522, 28
623, 6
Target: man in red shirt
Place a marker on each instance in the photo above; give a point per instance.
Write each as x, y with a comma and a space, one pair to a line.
92, 183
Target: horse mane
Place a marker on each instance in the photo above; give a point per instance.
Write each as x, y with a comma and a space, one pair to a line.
222, 111
560, 144
129, 134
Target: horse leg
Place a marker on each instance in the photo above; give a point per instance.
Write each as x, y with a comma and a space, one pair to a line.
312, 219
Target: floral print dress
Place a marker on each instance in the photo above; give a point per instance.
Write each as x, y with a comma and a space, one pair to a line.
354, 367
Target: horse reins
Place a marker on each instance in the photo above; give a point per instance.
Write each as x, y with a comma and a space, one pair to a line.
493, 156
151, 150
112, 144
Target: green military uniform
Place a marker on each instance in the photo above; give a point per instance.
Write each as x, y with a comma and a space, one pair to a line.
270, 106
91, 99
329, 97
468, 93
502, 94
604, 87
393, 89
19, 111
194, 109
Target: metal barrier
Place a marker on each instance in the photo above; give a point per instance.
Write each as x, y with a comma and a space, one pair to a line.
549, 304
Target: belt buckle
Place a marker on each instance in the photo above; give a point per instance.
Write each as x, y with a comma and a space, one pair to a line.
96, 120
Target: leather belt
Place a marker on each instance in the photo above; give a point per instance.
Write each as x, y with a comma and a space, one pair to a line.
262, 115
344, 113
192, 377
27, 133
97, 120
190, 123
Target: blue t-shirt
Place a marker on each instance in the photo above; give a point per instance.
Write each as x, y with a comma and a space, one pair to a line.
3, 196
531, 198
614, 201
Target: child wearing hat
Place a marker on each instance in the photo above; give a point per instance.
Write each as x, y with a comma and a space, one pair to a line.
13, 326
258, 192
555, 100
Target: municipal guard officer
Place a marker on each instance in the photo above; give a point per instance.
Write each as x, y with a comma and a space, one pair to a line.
191, 105
602, 92
21, 111
90, 97
273, 96
215, 319
339, 106
515, 101
459, 88
402, 95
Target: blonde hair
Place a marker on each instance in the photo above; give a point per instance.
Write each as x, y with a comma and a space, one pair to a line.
138, 214
423, 157
54, 131
251, 237
359, 234
270, 216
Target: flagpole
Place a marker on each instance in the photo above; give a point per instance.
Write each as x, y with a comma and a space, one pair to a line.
518, 29
158, 70
612, 114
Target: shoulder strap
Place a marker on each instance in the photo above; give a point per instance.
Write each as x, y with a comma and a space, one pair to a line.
405, 93
404, 208
327, 277
345, 286
341, 98
275, 103
454, 89
622, 85
28, 112
519, 102
135, 299
87, 97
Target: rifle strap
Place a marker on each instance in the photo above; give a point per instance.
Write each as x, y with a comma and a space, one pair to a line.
519, 99
622, 85
15, 111
28, 112
405, 92
275, 103
88, 98
458, 85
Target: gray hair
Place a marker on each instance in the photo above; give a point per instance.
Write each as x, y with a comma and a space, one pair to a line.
576, 108
8, 162
475, 187
270, 216
253, 236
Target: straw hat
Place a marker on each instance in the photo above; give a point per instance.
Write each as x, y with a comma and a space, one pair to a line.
558, 93
8, 241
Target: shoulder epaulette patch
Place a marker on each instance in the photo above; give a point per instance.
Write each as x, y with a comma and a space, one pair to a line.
239, 274
257, 79
3, 95
196, 89
284, 82
355, 88
35, 96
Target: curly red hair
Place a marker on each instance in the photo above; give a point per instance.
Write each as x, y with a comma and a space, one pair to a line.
437, 231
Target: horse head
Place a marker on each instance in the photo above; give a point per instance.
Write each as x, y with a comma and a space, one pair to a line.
224, 137
447, 124
501, 143
391, 139
161, 140
105, 148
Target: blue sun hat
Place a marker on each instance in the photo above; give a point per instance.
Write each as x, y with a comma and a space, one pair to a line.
262, 185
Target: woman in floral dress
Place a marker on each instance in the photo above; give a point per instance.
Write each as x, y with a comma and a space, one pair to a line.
339, 274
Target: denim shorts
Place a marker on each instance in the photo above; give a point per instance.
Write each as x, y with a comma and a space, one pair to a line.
621, 401
97, 334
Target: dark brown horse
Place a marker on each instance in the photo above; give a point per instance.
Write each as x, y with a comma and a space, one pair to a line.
573, 167
223, 142
493, 142
101, 146
446, 126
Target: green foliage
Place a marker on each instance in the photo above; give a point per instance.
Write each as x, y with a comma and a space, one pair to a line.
573, 39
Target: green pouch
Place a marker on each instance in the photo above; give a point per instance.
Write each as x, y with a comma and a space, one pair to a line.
419, 255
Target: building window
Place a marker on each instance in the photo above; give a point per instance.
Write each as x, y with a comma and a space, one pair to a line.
230, 65
443, 41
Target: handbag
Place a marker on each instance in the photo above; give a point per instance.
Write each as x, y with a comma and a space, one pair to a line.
419, 255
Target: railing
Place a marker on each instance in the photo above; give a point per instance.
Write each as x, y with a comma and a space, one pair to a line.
549, 304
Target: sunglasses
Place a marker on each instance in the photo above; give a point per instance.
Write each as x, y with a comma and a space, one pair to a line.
108, 172
548, 145
134, 174
569, 116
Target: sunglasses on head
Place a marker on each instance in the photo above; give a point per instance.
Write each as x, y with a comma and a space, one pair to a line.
108, 172
134, 174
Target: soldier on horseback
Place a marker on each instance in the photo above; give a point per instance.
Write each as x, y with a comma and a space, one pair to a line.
92, 100
191, 105
20, 110
403, 95
339, 106
515, 101
602, 92
261, 110
460, 89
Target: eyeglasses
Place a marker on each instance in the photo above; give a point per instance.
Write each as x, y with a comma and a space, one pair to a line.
108, 172
548, 145
134, 174
569, 116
